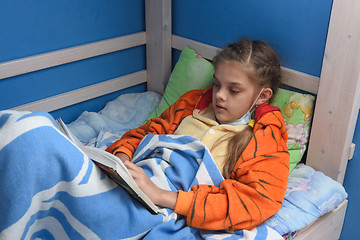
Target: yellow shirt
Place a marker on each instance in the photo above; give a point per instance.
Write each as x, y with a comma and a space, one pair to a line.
203, 126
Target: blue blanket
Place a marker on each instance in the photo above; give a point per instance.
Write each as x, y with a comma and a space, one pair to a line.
50, 190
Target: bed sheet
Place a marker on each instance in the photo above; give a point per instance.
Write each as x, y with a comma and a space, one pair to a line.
118, 116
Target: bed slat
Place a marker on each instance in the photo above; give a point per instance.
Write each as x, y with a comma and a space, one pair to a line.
72, 54
205, 50
158, 37
85, 93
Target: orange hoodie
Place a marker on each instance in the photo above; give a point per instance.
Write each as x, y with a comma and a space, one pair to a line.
258, 182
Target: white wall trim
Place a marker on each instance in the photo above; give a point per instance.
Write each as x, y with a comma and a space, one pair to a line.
290, 77
85, 93
67, 55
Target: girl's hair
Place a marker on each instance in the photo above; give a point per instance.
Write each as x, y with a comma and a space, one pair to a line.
264, 69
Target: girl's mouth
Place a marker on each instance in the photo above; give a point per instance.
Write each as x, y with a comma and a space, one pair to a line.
220, 108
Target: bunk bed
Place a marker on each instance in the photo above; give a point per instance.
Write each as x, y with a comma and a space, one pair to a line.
337, 90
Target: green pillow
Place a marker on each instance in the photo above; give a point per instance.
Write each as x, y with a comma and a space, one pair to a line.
297, 110
190, 72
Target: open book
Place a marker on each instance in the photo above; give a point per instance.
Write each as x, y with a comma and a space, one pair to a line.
113, 167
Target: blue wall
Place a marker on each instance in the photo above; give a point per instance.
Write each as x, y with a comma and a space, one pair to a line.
33, 27
351, 184
296, 29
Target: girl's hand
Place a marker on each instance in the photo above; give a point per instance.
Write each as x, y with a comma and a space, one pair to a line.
157, 195
123, 157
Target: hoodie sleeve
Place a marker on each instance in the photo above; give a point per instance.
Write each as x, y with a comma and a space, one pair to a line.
256, 188
167, 123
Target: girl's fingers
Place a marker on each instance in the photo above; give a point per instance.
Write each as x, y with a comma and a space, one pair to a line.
134, 170
130, 165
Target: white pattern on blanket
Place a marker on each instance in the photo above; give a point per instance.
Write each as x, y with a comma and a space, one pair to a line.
49, 189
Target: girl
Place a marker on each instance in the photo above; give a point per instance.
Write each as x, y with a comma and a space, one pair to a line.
251, 154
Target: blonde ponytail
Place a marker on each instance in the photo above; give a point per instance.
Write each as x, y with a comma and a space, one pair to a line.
236, 146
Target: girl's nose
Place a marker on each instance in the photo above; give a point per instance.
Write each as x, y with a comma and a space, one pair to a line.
220, 95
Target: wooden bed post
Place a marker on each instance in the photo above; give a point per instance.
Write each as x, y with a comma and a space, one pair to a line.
337, 104
158, 46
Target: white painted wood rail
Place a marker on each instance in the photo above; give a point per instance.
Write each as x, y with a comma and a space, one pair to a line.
158, 38
337, 102
85, 93
290, 77
72, 54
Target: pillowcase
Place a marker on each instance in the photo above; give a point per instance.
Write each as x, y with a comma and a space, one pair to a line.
297, 110
191, 71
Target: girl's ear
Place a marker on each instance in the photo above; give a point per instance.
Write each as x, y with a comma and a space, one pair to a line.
264, 96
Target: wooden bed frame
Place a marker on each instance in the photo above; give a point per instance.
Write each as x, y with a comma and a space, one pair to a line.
337, 89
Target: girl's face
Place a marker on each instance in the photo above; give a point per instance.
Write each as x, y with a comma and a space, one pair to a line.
233, 91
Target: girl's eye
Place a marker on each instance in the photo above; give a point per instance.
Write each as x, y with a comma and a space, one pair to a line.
216, 84
234, 91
